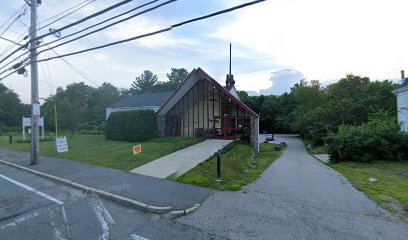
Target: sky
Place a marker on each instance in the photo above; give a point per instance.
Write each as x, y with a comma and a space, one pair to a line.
275, 43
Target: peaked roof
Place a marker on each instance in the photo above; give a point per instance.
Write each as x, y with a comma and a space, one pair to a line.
144, 99
188, 83
402, 87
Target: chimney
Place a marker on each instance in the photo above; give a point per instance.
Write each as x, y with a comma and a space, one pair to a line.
403, 79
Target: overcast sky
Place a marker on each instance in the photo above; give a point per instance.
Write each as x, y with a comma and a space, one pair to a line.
275, 43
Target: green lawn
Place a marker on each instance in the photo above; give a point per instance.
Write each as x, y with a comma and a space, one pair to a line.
95, 149
391, 190
238, 168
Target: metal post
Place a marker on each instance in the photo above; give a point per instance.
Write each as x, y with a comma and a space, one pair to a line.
10, 139
35, 103
218, 167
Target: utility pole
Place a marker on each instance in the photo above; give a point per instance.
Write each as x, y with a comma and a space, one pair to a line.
35, 103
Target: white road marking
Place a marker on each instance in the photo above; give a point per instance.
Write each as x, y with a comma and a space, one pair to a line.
104, 218
32, 189
19, 220
137, 237
65, 218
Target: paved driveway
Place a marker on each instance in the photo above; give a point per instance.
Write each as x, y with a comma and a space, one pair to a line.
297, 197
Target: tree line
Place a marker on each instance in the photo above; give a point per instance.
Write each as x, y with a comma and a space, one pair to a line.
310, 108
81, 107
314, 110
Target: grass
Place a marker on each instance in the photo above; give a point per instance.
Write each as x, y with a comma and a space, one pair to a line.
96, 150
314, 149
391, 190
238, 168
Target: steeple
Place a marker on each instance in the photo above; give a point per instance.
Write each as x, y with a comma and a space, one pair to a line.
230, 78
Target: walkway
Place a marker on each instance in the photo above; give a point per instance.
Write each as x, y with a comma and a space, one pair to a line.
298, 197
181, 161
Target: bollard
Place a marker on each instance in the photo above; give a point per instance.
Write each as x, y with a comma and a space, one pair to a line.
10, 139
218, 167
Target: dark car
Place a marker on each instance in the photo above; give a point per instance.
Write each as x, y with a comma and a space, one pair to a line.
269, 137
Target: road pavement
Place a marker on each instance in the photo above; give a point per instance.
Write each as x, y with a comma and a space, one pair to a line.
298, 197
32, 207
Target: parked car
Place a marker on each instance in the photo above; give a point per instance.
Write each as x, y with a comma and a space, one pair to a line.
269, 137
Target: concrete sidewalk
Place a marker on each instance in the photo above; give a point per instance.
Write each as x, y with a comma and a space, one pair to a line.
181, 161
148, 190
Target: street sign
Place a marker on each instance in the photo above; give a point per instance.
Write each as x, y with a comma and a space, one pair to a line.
137, 149
62, 144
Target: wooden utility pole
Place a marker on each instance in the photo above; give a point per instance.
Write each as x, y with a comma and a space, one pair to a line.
35, 101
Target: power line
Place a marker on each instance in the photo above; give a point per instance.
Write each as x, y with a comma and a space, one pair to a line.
107, 20
114, 23
66, 15
66, 10
69, 26
158, 31
100, 29
147, 34
24, 9
11, 17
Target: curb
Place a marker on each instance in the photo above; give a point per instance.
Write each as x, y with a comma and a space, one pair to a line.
110, 196
179, 213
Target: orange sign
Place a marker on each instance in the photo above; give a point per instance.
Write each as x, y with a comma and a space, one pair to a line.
137, 149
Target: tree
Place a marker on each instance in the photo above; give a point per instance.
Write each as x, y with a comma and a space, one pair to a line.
11, 108
144, 83
177, 76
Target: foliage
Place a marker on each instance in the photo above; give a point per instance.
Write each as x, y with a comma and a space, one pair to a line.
238, 167
144, 83
78, 105
377, 139
95, 149
148, 82
314, 110
133, 125
11, 108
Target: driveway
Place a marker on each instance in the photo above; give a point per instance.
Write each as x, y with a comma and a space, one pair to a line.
297, 197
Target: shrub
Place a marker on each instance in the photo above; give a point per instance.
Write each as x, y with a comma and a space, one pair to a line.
378, 139
133, 125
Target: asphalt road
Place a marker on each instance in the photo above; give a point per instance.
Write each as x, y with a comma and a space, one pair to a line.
297, 197
32, 207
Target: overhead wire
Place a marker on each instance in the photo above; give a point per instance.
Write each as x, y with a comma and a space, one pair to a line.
114, 23
148, 34
107, 20
24, 11
64, 11
100, 29
70, 25
87, 2
159, 31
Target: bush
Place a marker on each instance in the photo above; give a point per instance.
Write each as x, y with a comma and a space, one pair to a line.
378, 139
133, 125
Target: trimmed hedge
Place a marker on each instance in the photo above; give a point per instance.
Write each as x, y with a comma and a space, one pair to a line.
132, 125
375, 140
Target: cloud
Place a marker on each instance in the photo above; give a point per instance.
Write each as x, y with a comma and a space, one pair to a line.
326, 39
143, 25
282, 80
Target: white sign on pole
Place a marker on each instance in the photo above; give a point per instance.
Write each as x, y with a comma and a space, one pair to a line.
62, 145
27, 123
36, 109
